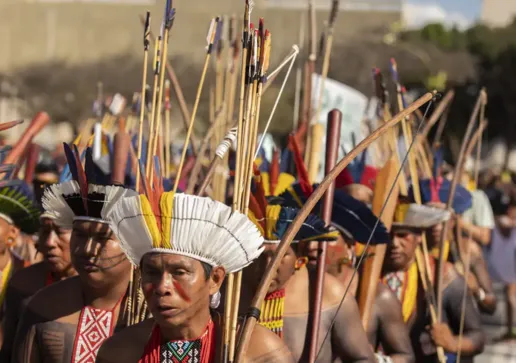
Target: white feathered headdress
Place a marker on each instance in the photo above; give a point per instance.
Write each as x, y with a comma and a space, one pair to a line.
185, 225
66, 202
419, 216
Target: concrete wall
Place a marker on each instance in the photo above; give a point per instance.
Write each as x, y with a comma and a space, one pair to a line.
79, 32
498, 12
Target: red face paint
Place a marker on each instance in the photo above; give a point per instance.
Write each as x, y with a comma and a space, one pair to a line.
180, 291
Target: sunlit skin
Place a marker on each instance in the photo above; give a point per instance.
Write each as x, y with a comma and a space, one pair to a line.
178, 293
8, 234
507, 222
54, 245
335, 252
96, 254
281, 276
360, 192
402, 251
41, 180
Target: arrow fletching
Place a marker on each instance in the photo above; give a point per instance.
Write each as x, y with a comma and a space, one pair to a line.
146, 31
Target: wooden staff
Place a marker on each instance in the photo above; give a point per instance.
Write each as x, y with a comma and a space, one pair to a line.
157, 67
214, 29
221, 151
254, 311
372, 267
168, 130
385, 114
169, 21
456, 177
436, 115
178, 91
36, 125
146, 33
228, 305
324, 74
194, 176
299, 75
332, 152
476, 140
7, 125
32, 161
407, 136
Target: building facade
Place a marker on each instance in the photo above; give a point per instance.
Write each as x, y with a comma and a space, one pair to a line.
498, 13
86, 31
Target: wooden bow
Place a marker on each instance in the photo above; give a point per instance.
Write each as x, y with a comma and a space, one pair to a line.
453, 186
305, 211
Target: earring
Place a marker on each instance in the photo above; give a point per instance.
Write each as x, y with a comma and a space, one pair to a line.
215, 300
10, 241
301, 262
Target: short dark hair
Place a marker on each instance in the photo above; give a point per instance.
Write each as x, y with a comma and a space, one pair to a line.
207, 270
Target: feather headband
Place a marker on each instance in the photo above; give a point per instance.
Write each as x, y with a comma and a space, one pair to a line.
277, 219
349, 215
438, 190
419, 216
18, 207
65, 203
187, 225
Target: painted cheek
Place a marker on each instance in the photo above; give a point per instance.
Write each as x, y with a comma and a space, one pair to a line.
181, 291
147, 289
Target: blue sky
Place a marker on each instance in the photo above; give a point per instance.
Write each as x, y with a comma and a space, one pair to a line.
460, 12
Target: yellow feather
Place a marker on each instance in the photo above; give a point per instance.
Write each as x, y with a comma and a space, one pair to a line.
266, 183
271, 218
401, 212
150, 220
295, 196
285, 180
166, 206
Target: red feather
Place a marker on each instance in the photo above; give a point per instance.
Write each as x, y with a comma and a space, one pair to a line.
255, 207
274, 171
83, 181
259, 193
302, 173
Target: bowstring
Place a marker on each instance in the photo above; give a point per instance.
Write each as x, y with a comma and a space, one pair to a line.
355, 270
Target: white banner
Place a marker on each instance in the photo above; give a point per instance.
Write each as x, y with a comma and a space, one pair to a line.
353, 105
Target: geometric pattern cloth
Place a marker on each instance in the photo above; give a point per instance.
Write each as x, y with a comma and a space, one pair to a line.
95, 326
182, 351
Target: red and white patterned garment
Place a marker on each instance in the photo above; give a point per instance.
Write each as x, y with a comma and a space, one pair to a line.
95, 326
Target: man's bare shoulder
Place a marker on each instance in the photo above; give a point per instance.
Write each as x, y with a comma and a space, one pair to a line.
334, 291
29, 280
127, 345
57, 300
267, 347
385, 295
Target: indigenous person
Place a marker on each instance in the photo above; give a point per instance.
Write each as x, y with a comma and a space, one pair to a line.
184, 246
289, 300
68, 321
355, 221
46, 173
435, 192
501, 254
401, 275
18, 214
358, 179
54, 245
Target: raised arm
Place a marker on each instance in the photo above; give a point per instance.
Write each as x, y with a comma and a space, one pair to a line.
446, 335
393, 334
